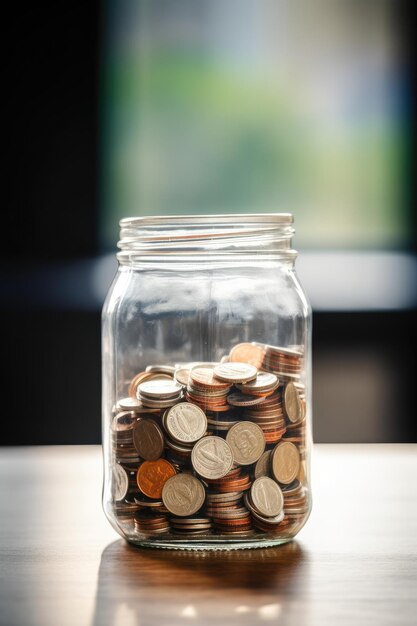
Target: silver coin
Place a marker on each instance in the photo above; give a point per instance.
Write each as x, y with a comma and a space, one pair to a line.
246, 441
161, 389
212, 457
263, 381
266, 497
160, 404
120, 482
129, 404
235, 372
186, 422
239, 399
263, 465
269, 520
183, 494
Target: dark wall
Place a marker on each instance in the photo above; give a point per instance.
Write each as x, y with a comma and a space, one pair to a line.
51, 123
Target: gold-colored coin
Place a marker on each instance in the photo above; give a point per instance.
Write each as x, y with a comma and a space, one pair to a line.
285, 462
292, 404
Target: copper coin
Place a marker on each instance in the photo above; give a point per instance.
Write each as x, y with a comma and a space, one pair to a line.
152, 475
148, 439
290, 352
182, 375
135, 382
247, 353
141, 377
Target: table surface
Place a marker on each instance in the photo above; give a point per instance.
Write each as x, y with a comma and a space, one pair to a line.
355, 562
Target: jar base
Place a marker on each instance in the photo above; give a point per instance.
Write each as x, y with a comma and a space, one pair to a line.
209, 545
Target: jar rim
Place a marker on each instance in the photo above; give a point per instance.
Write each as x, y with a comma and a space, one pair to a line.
205, 218
230, 234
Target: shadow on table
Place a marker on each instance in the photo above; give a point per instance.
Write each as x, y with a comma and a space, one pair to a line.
138, 586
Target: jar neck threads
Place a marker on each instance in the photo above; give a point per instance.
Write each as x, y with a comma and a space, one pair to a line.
202, 236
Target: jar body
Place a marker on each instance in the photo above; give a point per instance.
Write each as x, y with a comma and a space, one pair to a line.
207, 400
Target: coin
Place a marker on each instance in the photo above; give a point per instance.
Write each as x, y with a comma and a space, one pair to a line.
129, 404
170, 409
141, 377
239, 399
204, 377
263, 464
265, 381
186, 422
159, 388
291, 352
292, 403
246, 441
120, 482
212, 457
152, 475
285, 462
235, 372
160, 404
247, 353
183, 494
148, 439
123, 422
266, 497
182, 375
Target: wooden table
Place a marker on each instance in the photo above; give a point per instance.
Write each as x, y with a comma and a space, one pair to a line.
354, 562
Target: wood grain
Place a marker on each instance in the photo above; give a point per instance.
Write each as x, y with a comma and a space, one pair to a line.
354, 563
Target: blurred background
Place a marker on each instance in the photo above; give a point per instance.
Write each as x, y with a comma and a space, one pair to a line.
134, 107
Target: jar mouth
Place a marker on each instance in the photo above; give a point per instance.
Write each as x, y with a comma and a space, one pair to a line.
256, 233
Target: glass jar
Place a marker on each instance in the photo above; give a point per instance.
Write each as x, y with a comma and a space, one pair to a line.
207, 384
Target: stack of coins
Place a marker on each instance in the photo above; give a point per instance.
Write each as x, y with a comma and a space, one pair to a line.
269, 415
209, 448
141, 377
150, 524
265, 501
122, 439
286, 363
295, 502
220, 423
158, 393
191, 525
207, 391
